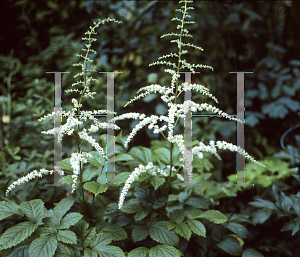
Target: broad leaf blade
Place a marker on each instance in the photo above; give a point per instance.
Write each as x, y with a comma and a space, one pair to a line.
43, 247
164, 251
139, 233
21, 251
33, 209
67, 236
70, 220
160, 233
214, 216
183, 230
230, 245
63, 206
197, 227
17, 234
139, 252
95, 187
7, 209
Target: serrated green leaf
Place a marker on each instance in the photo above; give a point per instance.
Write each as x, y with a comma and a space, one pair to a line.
139, 233
89, 173
95, 187
97, 160
183, 230
67, 179
176, 155
102, 179
70, 220
160, 233
197, 227
177, 216
84, 233
63, 206
251, 253
123, 157
66, 250
66, 164
170, 224
100, 240
122, 177
194, 214
173, 197
230, 245
122, 221
141, 214
45, 231
51, 221
197, 202
157, 181
261, 216
214, 216
8, 208
238, 229
139, 252
131, 208
33, 209
141, 155
241, 218
164, 251
90, 253
115, 231
21, 251
109, 250
16, 234
43, 247
67, 236
163, 154
183, 196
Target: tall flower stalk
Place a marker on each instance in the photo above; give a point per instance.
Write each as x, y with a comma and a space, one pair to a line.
77, 159
170, 95
178, 110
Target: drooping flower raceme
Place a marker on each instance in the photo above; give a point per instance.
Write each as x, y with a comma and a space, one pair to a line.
137, 171
179, 111
75, 162
28, 177
72, 121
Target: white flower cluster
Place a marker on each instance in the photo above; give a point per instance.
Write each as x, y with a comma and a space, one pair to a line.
137, 171
180, 177
159, 130
234, 148
66, 128
173, 169
84, 136
223, 146
150, 120
202, 89
75, 161
28, 177
161, 172
153, 88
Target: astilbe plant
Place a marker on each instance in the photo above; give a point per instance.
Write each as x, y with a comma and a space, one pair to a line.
88, 233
